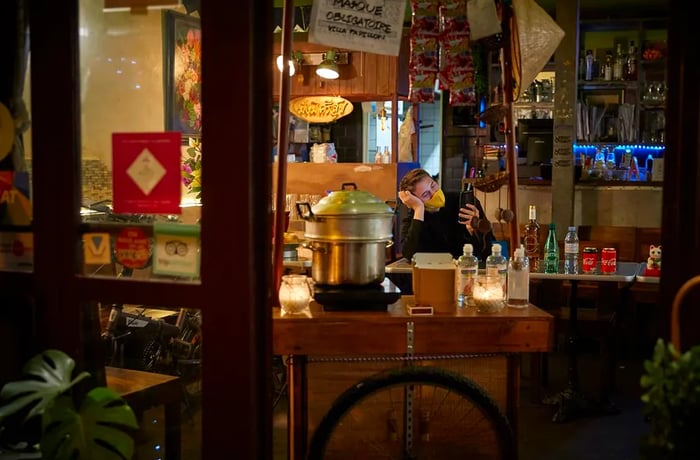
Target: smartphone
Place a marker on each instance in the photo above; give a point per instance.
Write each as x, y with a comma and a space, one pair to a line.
466, 197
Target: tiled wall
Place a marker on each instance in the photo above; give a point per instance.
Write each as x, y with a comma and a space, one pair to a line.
430, 136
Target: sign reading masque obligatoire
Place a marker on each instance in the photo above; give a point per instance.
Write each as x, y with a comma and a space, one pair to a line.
365, 25
320, 109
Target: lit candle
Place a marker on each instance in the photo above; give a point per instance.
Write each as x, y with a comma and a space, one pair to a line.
294, 294
488, 294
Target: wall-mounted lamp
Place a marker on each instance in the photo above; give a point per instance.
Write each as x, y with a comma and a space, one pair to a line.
327, 63
280, 65
328, 68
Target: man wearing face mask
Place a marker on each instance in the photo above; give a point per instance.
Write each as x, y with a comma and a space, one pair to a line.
435, 222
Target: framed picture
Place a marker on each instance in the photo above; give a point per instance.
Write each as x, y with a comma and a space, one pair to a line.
182, 74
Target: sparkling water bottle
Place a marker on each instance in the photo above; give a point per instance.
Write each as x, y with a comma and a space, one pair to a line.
467, 268
571, 251
497, 264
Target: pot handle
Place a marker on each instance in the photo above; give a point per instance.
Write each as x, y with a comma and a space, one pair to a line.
389, 243
308, 245
308, 215
346, 185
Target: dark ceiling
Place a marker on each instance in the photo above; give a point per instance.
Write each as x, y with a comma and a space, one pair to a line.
612, 9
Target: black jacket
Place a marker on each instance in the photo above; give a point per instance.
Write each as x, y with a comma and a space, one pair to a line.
440, 231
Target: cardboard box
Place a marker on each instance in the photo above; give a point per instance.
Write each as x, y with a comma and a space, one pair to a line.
434, 282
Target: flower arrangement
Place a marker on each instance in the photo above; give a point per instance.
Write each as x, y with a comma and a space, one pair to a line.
192, 168
188, 84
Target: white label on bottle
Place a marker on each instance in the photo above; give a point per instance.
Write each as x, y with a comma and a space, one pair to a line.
571, 248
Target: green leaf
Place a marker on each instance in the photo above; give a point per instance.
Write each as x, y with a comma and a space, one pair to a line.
99, 430
51, 371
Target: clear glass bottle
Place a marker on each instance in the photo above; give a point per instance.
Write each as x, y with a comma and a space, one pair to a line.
589, 65
497, 264
531, 238
619, 65
551, 251
467, 269
571, 247
631, 64
519, 279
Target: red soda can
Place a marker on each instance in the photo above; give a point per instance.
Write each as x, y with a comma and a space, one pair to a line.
608, 261
589, 260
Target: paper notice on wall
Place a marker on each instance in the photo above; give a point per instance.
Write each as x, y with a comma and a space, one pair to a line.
372, 25
17, 251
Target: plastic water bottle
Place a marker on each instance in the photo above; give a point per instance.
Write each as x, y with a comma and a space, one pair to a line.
496, 264
551, 251
467, 268
571, 251
519, 279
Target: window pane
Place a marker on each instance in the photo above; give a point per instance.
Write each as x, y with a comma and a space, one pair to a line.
141, 141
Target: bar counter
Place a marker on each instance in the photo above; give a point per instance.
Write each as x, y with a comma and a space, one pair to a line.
329, 351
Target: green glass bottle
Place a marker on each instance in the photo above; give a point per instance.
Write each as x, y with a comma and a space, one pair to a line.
551, 251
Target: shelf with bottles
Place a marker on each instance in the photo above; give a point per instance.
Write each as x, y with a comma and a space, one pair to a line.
622, 81
619, 164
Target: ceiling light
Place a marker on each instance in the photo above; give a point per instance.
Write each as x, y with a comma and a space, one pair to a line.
328, 68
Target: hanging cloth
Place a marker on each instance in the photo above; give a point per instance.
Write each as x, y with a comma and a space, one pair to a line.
538, 36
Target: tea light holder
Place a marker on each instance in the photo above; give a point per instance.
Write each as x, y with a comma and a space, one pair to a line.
295, 294
489, 295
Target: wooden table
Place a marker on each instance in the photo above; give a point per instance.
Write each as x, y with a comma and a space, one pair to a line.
571, 402
394, 332
143, 390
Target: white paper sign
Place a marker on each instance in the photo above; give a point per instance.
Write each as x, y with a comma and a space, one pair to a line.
366, 25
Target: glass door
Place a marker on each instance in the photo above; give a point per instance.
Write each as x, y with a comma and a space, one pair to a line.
147, 183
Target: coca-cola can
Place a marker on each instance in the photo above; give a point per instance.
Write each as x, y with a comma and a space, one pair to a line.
608, 260
589, 260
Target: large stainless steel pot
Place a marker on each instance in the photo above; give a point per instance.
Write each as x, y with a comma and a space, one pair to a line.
348, 232
337, 263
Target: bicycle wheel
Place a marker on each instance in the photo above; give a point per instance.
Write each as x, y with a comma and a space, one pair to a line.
417, 413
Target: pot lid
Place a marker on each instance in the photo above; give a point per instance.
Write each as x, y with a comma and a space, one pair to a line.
349, 200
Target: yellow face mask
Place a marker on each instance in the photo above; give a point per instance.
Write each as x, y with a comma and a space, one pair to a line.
437, 201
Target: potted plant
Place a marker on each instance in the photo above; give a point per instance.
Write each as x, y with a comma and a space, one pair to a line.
45, 417
672, 403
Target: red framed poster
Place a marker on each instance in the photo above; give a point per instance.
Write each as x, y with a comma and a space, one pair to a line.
146, 173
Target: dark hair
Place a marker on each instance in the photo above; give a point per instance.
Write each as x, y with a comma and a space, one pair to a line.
411, 178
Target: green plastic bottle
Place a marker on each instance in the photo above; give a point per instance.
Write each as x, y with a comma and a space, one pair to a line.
551, 251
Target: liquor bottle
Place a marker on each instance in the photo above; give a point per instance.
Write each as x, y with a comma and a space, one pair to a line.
619, 65
497, 264
589, 66
519, 279
571, 251
467, 268
551, 251
631, 65
608, 66
386, 155
531, 239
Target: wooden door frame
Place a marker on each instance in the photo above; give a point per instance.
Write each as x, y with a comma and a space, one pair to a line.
234, 293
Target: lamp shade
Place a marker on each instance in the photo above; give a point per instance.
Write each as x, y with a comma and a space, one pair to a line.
280, 65
328, 68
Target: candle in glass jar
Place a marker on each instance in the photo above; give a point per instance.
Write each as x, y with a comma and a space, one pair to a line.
489, 295
294, 294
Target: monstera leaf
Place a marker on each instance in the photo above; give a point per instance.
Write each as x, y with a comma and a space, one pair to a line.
51, 371
99, 429
96, 431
